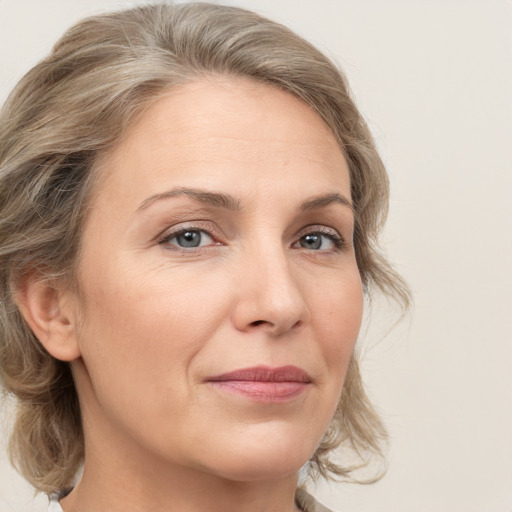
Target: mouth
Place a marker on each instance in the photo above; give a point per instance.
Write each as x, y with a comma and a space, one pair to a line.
264, 384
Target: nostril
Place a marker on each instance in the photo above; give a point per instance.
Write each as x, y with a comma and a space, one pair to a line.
259, 322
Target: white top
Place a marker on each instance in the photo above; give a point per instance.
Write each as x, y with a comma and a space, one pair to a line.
54, 504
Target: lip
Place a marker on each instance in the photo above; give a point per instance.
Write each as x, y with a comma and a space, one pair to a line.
263, 383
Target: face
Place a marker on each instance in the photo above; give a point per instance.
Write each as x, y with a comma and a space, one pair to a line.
220, 293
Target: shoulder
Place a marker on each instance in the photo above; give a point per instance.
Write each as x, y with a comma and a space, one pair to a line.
307, 503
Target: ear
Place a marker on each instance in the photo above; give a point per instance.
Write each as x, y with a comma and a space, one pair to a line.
48, 311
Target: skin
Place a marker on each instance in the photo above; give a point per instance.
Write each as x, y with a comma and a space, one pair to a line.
267, 285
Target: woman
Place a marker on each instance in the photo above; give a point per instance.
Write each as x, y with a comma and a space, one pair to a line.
189, 203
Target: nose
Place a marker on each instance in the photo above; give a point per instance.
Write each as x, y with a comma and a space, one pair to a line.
269, 297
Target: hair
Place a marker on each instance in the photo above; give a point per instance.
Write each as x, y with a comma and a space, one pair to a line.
75, 105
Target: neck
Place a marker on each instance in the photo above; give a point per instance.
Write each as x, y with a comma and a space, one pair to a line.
120, 476
178, 489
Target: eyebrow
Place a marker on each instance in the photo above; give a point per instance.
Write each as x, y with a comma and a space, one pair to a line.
216, 199
221, 200
325, 200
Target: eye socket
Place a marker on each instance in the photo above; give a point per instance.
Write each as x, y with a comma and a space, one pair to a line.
188, 238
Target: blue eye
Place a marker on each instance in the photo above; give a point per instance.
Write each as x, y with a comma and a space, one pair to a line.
188, 239
318, 241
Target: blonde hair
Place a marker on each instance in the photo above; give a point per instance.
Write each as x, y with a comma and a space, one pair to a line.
72, 107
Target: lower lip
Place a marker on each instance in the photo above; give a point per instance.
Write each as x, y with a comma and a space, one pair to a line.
262, 391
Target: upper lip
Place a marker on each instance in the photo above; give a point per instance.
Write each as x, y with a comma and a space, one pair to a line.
264, 374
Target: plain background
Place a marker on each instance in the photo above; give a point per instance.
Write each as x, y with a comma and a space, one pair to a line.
434, 80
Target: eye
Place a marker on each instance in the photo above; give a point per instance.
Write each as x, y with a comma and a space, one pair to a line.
320, 241
188, 239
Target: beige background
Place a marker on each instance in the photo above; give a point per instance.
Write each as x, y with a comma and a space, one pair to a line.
434, 79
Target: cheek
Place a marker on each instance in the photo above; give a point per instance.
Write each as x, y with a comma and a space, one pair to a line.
137, 347
147, 326
337, 317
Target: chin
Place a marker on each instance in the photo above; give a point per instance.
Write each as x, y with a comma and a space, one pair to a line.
270, 459
249, 470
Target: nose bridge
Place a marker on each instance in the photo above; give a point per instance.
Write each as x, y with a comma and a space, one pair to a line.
270, 295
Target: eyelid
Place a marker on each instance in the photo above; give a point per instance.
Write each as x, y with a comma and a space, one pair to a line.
336, 237
183, 227
206, 227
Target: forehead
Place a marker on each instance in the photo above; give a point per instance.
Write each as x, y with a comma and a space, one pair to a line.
232, 127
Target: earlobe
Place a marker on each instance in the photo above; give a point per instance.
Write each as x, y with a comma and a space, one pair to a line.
48, 312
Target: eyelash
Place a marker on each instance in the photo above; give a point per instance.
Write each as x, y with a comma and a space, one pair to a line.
337, 239
332, 235
170, 235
